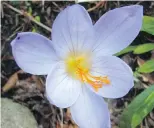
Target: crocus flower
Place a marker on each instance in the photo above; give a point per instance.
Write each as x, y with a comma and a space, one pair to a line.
79, 61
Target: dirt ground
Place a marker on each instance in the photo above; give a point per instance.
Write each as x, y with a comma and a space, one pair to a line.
28, 89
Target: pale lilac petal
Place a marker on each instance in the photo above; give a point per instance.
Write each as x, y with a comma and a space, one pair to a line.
90, 110
72, 31
117, 28
33, 53
119, 74
61, 90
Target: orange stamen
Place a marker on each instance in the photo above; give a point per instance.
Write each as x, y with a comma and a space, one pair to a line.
95, 81
79, 67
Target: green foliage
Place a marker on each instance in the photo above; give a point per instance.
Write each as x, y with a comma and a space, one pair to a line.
144, 48
147, 67
138, 49
138, 109
126, 50
34, 29
30, 10
37, 18
148, 24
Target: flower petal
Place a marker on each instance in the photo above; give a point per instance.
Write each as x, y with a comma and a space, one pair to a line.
33, 53
119, 74
117, 28
61, 89
90, 111
72, 30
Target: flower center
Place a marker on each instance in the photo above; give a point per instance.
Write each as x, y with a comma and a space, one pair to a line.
79, 68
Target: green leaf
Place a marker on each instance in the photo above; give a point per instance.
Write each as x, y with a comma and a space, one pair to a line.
126, 50
30, 10
37, 18
147, 67
144, 48
34, 29
138, 109
148, 24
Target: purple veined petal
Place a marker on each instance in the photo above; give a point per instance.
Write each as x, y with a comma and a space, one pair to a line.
117, 28
72, 30
61, 90
33, 53
119, 74
90, 110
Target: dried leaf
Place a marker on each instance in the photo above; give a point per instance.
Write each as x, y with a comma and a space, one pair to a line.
11, 83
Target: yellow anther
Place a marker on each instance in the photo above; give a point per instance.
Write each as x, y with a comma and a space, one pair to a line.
79, 67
